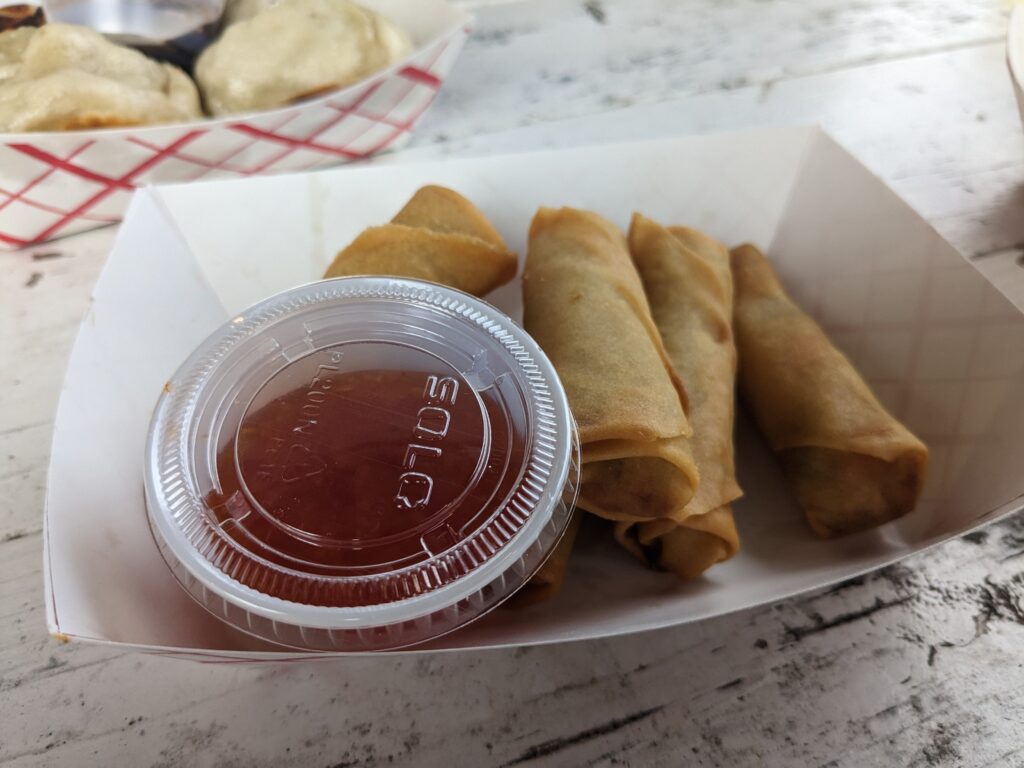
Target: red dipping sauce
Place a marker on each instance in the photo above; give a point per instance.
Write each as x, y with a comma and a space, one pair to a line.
340, 466
361, 463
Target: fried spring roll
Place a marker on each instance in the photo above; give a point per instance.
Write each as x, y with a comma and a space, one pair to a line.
438, 236
686, 276
852, 465
547, 581
443, 210
688, 548
584, 304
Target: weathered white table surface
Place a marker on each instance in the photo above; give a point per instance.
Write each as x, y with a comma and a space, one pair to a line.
921, 664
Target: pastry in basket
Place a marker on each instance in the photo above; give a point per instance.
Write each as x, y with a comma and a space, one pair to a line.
61, 77
240, 10
438, 236
688, 283
852, 465
277, 53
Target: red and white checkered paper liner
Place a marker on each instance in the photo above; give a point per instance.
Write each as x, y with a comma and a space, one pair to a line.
63, 183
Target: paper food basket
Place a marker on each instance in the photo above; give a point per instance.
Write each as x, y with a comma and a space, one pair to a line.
60, 183
941, 346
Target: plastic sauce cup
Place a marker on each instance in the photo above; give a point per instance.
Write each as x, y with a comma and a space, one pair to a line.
359, 464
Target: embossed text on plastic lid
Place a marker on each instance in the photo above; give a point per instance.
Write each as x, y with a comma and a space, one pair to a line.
360, 464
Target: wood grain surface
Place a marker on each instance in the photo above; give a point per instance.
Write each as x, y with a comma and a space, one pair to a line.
920, 664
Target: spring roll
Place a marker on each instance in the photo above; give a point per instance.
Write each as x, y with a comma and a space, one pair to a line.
547, 581
687, 549
584, 304
851, 464
438, 236
686, 276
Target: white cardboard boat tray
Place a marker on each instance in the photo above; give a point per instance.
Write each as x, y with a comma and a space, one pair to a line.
942, 348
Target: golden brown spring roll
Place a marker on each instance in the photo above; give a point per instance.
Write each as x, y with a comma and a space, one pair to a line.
686, 276
438, 236
852, 465
688, 548
547, 581
443, 210
584, 304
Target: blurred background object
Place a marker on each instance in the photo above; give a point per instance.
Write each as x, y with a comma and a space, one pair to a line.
15, 16
172, 30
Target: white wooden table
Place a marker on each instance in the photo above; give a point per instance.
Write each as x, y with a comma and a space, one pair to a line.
921, 664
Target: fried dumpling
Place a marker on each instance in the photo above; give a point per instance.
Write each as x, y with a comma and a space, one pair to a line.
61, 77
275, 54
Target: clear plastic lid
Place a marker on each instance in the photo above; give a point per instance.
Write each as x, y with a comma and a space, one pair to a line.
361, 463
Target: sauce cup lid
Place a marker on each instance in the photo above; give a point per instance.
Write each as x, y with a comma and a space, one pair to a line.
362, 463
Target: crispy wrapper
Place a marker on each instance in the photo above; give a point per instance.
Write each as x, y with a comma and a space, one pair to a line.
62, 77
852, 465
688, 282
440, 209
547, 581
274, 53
688, 548
438, 236
584, 304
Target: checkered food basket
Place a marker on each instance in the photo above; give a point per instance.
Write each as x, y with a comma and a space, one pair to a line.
66, 182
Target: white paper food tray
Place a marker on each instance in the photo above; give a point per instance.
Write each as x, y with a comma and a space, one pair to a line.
60, 183
943, 349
